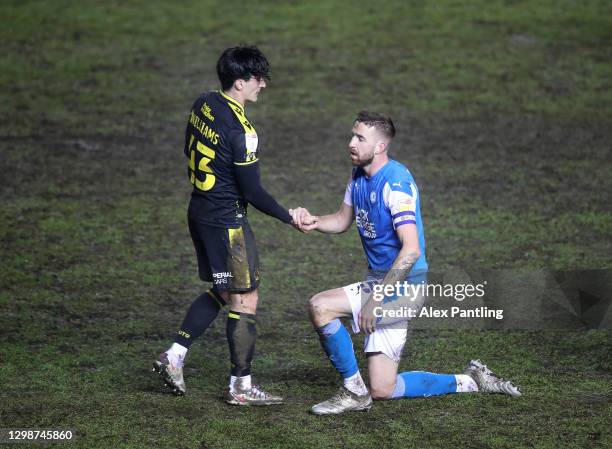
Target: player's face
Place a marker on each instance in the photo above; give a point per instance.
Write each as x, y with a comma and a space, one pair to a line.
252, 87
362, 146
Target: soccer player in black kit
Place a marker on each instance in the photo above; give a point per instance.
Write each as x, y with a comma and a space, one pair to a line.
222, 150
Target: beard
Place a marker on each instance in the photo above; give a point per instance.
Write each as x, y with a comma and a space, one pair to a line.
361, 162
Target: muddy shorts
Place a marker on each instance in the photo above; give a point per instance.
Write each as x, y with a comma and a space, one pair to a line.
227, 257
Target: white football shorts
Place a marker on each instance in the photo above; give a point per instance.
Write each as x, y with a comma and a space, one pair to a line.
392, 329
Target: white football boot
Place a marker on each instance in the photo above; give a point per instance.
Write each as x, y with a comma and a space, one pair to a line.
253, 395
344, 401
171, 373
488, 382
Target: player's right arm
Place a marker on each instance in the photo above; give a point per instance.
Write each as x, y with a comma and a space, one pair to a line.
334, 223
249, 182
328, 224
246, 170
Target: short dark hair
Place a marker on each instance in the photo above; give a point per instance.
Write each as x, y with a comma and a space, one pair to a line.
241, 63
382, 123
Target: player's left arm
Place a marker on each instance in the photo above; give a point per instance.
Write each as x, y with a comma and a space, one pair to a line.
406, 258
400, 196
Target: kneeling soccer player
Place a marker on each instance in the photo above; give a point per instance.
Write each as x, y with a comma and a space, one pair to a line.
383, 199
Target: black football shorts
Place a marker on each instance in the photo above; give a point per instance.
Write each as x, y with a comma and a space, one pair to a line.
227, 257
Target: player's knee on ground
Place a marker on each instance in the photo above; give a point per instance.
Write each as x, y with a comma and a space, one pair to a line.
381, 390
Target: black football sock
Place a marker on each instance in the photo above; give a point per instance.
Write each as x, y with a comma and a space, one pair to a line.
241, 336
200, 315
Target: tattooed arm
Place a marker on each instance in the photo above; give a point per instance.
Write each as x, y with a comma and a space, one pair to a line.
402, 265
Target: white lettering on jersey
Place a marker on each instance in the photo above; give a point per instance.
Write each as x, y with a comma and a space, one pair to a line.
363, 222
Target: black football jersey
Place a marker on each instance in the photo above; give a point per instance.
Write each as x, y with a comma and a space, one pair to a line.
218, 137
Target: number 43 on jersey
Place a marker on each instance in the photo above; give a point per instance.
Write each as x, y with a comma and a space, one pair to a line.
205, 156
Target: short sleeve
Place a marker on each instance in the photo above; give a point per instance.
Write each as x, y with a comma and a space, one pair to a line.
244, 148
348, 194
401, 197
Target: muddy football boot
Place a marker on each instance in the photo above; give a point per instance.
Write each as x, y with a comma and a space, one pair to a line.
251, 396
344, 401
488, 382
172, 374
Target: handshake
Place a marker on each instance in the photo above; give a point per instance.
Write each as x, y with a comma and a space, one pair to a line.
302, 220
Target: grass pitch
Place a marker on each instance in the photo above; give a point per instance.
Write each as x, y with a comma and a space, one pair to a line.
503, 113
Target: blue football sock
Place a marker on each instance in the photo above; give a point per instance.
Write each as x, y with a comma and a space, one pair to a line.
338, 346
421, 384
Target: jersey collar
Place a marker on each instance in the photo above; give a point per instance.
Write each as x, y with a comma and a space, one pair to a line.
231, 100
380, 170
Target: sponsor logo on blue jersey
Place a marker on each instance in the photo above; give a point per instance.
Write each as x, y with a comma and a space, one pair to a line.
368, 229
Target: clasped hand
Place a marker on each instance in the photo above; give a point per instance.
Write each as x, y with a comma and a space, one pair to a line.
302, 220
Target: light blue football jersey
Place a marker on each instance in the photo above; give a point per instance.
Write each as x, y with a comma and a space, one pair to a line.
381, 204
